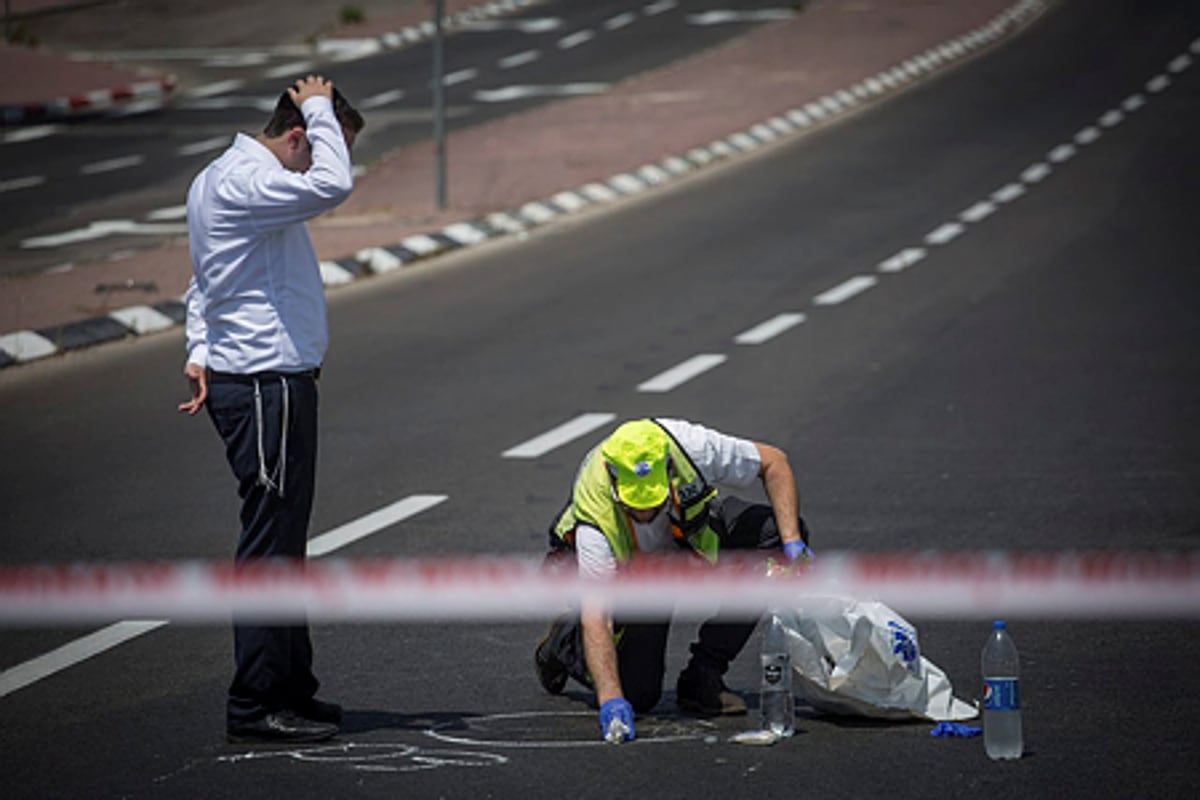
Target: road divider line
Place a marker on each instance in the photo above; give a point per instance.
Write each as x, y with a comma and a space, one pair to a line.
768, 330
72, 653
845, 290
682, 373
556, 437
372, 523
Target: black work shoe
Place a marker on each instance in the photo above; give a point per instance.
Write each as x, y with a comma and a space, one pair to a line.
550, 671
319, 711
703, 692
281, 726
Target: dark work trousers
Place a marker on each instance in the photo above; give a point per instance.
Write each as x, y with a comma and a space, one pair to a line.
641, 646
273, 664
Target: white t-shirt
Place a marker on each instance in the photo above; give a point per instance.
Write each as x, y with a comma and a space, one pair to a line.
720, 458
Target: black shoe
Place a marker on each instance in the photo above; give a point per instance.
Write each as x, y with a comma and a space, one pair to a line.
281, 726
550, 671
319, 711
703, 692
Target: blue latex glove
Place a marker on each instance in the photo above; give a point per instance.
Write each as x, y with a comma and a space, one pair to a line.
617, 711
955, 730
798, 549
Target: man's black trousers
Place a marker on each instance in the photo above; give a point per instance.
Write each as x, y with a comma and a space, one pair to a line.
273, 664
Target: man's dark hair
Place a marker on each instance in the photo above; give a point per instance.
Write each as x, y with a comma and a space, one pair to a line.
287, 115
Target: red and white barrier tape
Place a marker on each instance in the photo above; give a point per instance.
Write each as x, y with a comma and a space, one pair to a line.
947, 585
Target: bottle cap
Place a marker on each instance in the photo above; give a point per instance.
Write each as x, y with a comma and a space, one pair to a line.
999, 625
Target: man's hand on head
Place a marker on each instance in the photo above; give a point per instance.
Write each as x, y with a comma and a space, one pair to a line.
312, 86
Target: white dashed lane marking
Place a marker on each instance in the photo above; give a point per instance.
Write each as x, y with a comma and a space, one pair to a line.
770, 329
682, 373
845, 290
552, 439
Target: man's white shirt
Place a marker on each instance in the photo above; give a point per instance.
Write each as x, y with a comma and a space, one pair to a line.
256, 301
723, 459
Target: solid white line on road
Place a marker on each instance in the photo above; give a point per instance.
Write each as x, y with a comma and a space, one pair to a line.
945, 234
29, 134
557, 437
845, 290
220, 87
371, 523
111, 164
381, 99
519, 59
203, 146
902, 260
27, 182
576, 39
619, 21
681, 373
768, 330
72, 653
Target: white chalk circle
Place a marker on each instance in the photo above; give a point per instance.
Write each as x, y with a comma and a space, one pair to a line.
382, 757
556, 729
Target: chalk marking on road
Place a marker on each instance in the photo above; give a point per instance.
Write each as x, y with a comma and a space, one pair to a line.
382, 99
765, 331
112, 164
30, 134
519, 59
845, 290
374, 757
26, 182
72, 653
372, 523
902, 260
650, 729
682, 373
575, 39
558, 436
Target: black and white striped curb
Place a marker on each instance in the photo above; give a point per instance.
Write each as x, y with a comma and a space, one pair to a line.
139, 320
149, 91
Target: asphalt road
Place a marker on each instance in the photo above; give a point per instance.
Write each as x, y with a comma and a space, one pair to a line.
1029, 384
138, 166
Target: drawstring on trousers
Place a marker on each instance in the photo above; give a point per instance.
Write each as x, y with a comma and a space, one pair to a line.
264, 479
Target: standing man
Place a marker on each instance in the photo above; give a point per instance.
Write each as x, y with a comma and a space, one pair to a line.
256, 337
647, 489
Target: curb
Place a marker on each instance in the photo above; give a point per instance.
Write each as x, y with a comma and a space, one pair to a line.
88, 102
139, 320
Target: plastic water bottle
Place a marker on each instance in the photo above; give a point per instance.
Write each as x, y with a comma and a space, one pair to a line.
778, 707
1001, 695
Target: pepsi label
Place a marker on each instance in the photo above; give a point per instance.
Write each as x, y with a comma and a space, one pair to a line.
1001, 694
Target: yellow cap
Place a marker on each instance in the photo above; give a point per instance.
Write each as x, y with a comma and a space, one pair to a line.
637, 454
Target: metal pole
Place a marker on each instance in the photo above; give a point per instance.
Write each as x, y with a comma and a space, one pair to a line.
439, 104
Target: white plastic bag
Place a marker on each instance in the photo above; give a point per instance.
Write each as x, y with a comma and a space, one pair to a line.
859, 657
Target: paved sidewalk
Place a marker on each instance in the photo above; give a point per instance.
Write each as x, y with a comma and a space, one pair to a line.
776, 81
